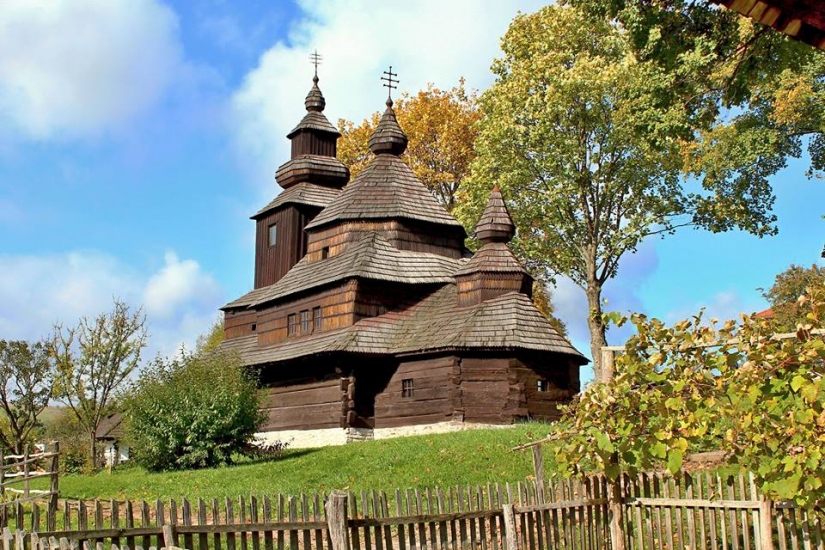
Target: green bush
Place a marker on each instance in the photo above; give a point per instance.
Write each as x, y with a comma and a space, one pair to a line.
62, 425
193, 411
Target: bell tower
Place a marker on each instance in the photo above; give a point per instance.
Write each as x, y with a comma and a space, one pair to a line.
310, 179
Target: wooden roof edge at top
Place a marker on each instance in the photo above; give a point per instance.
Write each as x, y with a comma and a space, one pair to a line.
799, 19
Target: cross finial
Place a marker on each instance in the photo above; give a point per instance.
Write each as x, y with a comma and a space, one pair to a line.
390, 84
315, 58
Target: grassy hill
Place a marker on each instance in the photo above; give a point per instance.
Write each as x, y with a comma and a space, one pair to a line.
461, 458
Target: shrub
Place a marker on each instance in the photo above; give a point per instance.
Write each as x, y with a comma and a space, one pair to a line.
193, 411
63, 426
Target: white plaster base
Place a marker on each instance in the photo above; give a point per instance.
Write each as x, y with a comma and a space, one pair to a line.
304, 439
437, 428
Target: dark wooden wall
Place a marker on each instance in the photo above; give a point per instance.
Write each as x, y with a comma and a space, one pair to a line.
307, 143
337, 309
404, 235
488, 393
272, 262
434, 398
556, 371
308, 406
239, 323
480, 287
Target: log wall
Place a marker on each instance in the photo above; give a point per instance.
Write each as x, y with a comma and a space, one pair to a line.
488, 392
434, 394
544, 405
337, 310
303, 406
272, 262
404, 235
240, 323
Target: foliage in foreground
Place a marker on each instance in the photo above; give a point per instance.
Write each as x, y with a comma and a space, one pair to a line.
193, 411
783, 295
26, 382
684, 387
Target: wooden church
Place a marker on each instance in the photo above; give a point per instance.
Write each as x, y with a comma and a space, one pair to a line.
369, 317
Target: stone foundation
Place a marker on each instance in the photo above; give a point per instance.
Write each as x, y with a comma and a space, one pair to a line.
303, 439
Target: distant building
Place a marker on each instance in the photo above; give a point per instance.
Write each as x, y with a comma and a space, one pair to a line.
370, 318
801, 19
110, 434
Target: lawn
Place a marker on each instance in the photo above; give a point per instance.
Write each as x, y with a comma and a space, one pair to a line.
462, 458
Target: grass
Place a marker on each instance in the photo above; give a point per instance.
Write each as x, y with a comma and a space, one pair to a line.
463, 458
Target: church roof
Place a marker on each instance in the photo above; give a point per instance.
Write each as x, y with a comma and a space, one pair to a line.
492, 258
495, 223
387, 188
302, 193
367, 256
508, 322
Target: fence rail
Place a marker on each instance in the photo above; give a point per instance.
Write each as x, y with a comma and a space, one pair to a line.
699, 511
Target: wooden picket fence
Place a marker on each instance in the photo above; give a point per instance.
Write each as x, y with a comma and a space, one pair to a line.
700, 511
17, 472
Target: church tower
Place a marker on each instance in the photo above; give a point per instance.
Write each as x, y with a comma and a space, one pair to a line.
311, 179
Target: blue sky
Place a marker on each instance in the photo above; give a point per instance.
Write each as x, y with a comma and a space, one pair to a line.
138, 136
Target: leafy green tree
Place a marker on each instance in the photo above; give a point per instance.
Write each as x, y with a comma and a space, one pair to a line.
783, 295
585, 141
211, 341
62, 425
192, 411
440, 125
692, 385
26, 379
93, 361
757, 96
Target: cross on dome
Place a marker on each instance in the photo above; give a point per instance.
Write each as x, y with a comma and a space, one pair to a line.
390, 84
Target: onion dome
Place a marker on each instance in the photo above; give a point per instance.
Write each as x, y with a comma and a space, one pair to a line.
315, 99
388, 136
495, 225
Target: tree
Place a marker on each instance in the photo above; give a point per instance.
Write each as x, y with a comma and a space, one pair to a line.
757, 96
26, 378
587, 142
193, 411
94, 359
784, 294
692, 385
440, 125
543, 300
210, 341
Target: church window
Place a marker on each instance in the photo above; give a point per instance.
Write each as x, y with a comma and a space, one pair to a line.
305, 320
316, 317
273, 234
292, 322
407, 387
542, 385
254, 327
325, 253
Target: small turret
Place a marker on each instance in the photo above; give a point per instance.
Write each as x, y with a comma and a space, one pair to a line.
493, 270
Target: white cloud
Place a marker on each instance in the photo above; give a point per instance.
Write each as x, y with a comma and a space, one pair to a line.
424, 41
176, 284
80, 67
180, 300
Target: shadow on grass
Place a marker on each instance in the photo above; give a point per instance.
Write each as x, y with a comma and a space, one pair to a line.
296, 453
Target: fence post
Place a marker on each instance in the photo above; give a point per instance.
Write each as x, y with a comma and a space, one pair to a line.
765, 523
54, 489
169, 536
615, 515
538, 468
336, 510
510, 527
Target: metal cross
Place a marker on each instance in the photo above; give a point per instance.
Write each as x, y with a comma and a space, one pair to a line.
390, 81
315, 59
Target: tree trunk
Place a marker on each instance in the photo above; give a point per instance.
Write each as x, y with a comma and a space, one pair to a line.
92, 451
597, 327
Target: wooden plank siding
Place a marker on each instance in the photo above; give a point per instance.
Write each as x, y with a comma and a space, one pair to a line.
403, 234
337, 311
239, 323
310, 406
558, 386
272, 262
433, 394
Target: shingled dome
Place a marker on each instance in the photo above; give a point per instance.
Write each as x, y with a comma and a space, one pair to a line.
388, 136
495, 224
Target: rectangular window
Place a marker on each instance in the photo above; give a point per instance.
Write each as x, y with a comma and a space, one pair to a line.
407, 387
316, 317
325, 253
292, 323
273, 234
305, 320
542, 385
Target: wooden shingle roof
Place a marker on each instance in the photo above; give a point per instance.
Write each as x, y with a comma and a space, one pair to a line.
368, 255
492, 258
495, 224
386, 189
508, 322
302, 193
